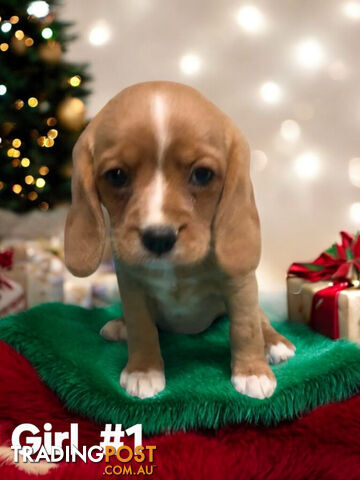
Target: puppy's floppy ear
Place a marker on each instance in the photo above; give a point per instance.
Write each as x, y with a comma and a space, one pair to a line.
236, 224
85, 227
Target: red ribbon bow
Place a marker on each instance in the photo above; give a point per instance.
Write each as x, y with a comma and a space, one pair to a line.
339, 262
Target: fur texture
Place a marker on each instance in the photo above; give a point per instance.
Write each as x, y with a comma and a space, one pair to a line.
63, 344
323, 445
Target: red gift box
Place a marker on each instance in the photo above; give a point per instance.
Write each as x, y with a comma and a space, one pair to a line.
325, 293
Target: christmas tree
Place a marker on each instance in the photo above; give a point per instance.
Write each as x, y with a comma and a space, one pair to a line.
41, 105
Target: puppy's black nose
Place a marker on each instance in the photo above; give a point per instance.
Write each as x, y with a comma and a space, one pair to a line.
159, 239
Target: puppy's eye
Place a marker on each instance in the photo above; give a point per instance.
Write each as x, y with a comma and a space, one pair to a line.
201, 176
117, 177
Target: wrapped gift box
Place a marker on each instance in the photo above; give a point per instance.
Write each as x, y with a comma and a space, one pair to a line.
12, 297
45, 278
325, 293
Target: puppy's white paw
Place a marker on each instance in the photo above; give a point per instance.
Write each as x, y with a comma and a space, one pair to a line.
114, 330
279, 353
143, 384
255, 386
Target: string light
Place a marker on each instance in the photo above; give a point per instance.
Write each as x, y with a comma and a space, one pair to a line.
29, 179
32, 196
354, 171
4, 47
3, 89
15, 163
51, 121
310, 54
43, 170
33, 102
99, 34
41, 141
48, 142
46, 33
44, 206
6, 27
14, 19
52, 133
352, 10
19, 104
38, 9
19, 34
2, 185
16, 188
190, 64
29, 42
16, 143
307, 165
75, 81
270, 92
25, 162
250, 19
40, 183
290, 130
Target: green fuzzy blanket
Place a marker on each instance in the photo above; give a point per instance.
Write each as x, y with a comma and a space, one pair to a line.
63, 344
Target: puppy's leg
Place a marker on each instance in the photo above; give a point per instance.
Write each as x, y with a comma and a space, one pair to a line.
250, 372
277, 348
114, 330
143, 375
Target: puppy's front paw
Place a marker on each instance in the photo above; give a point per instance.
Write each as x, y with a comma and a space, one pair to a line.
255, 384
114, 330
142, 384
280, 352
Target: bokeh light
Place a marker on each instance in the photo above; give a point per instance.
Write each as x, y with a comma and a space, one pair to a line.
259, 160
354, 171
354, 213
190, 64
99, 34
290, 130
307, 165
270, 92
250, 19
38, 9
352, 10
310, 54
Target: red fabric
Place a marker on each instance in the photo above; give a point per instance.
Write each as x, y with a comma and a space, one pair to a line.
324, 444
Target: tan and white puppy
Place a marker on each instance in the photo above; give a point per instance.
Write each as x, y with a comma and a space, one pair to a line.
172, 171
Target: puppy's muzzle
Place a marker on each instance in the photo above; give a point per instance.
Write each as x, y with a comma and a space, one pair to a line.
158, 239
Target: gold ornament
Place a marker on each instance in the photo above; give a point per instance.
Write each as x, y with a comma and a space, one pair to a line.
50, 52
71, 113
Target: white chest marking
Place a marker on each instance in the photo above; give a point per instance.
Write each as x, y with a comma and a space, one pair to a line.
186, 305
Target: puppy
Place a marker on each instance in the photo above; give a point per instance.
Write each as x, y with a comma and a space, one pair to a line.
172, 171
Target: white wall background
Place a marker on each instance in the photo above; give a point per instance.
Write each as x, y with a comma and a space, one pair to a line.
307, 190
